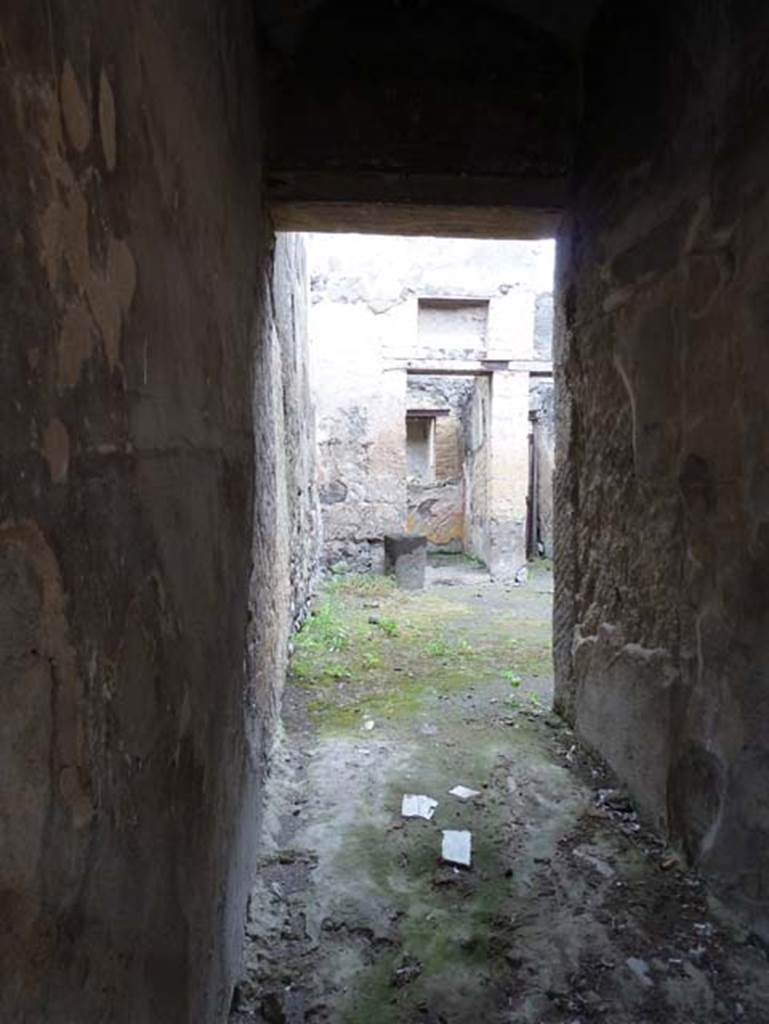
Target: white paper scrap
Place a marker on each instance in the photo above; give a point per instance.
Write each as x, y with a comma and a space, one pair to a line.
464, 792
414, 806
456, 847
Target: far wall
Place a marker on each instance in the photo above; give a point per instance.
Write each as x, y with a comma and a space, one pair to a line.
378, 303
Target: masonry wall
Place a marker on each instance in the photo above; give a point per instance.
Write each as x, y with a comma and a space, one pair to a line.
144, 402
662, 638
366, 321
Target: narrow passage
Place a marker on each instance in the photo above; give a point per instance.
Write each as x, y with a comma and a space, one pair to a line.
570, 913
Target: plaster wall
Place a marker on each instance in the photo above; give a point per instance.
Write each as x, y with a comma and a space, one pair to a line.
361, 415
508, 468
144, 404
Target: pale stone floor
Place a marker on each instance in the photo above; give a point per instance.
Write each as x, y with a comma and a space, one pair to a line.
572, 913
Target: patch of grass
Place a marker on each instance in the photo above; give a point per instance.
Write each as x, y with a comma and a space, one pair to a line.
324, 629
336, 670
536, 701
307, 672
529, 655
393, 664
527, 700
361, 584
326, 634
540, 566
441, 648
344, 713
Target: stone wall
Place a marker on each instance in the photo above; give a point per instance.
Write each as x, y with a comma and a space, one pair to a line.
662, 637
144, 402
294, 416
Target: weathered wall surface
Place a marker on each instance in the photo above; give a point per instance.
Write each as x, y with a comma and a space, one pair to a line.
661, 607
286, 521
294, 416
477, 426
361, 411
366, 318
542, 415
496, 471
437, 509
508, 472
449, 452
138, 445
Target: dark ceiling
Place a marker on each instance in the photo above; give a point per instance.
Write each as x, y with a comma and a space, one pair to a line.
285, 20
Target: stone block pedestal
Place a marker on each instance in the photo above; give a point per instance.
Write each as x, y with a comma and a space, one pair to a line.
406, 559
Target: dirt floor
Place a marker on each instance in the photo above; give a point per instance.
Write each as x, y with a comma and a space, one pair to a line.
570, 913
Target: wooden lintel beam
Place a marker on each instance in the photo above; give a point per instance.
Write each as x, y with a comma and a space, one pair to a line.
471, 367
415, 204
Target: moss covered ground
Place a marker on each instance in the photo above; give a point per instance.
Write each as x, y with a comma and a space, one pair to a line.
354, 918
371, 651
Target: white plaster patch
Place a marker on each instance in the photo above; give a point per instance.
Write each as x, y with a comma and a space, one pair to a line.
464, 792
418, 806
456, 847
